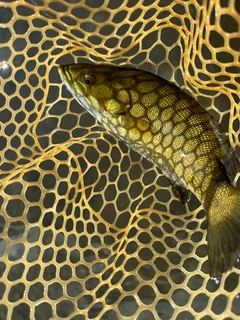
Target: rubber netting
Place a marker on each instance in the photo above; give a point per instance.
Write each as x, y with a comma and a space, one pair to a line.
89, 229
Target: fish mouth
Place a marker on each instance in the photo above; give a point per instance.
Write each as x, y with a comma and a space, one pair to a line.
71, 85
66, 78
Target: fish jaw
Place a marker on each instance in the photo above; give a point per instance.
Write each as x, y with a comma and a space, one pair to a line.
107, 111
78, 91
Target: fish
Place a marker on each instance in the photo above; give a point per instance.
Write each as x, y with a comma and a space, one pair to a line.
175, 133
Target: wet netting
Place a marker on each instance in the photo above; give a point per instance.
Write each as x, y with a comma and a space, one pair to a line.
88, 228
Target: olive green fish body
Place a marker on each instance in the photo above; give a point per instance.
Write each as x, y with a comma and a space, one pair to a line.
170, 129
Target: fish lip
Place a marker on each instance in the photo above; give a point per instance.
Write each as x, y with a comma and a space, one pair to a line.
67, 80
64, 74
61, 72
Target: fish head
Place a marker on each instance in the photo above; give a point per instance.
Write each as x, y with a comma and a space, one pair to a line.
119, 98
101, 89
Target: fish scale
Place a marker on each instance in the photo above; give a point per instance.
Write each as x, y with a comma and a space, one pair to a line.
169, 128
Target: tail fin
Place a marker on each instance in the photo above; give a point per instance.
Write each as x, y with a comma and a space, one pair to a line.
223, 233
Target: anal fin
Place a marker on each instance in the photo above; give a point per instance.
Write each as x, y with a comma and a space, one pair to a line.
229, 157
230, 162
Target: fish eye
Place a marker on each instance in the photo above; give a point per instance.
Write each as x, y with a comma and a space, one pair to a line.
88, 79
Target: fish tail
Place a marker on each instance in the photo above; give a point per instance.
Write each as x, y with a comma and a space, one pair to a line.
223, 231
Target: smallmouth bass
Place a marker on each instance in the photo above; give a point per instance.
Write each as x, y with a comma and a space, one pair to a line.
170, 129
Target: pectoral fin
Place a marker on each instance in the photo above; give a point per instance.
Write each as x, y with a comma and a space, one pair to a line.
183, 194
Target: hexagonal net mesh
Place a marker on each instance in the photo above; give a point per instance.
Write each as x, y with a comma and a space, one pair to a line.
89, 229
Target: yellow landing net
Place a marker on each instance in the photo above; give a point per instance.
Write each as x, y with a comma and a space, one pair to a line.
89, 229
